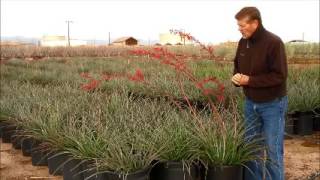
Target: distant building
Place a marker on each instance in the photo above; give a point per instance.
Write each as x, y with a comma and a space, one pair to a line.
125, 41
53, 41
173, 39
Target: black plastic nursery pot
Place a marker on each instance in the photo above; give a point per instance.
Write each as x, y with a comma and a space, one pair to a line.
90, 171
174, 171
7, 132
224, 173
16, 141
138, 175
316, 120
39, 155
56, 161
39, 158
316, 123
26, 145
290, 122
304, 124
3, 124
72, 169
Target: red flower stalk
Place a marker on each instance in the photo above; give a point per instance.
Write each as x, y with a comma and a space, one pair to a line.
220, 98
93, 84
158, 49
138, 76
201, 83
180, 66
156, 56
210, 91
187, 36
178, 63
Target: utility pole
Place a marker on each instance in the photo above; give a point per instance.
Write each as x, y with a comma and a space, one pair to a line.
184, 37
109, 38
303, 36
68, 22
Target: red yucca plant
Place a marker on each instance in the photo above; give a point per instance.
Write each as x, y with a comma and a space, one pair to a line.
179, 64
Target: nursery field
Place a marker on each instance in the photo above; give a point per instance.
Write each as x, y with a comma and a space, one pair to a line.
304, 52
149, 114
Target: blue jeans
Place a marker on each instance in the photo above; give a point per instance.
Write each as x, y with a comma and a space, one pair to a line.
266, 120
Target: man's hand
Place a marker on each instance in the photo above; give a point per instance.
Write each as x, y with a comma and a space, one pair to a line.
240, 79
236, 79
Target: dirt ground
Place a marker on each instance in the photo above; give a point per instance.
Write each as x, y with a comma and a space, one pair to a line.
302, 157
302, 161
14, 166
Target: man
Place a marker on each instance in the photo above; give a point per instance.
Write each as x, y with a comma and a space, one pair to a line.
260, 67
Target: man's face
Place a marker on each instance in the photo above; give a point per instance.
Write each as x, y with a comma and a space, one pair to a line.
247, 27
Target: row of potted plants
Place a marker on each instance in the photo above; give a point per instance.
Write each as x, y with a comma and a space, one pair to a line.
304, 101
124, 136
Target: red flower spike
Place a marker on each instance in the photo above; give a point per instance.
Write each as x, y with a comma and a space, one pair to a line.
220, 98
184, 35
180, 66
156, 56
158, 49
206, 80
207, 91
93, 84
221, 87
138, 76
168, 62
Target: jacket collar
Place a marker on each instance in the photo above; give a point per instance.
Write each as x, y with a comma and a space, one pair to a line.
257, 34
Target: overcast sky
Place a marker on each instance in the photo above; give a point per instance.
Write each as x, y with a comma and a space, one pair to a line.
209, 21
